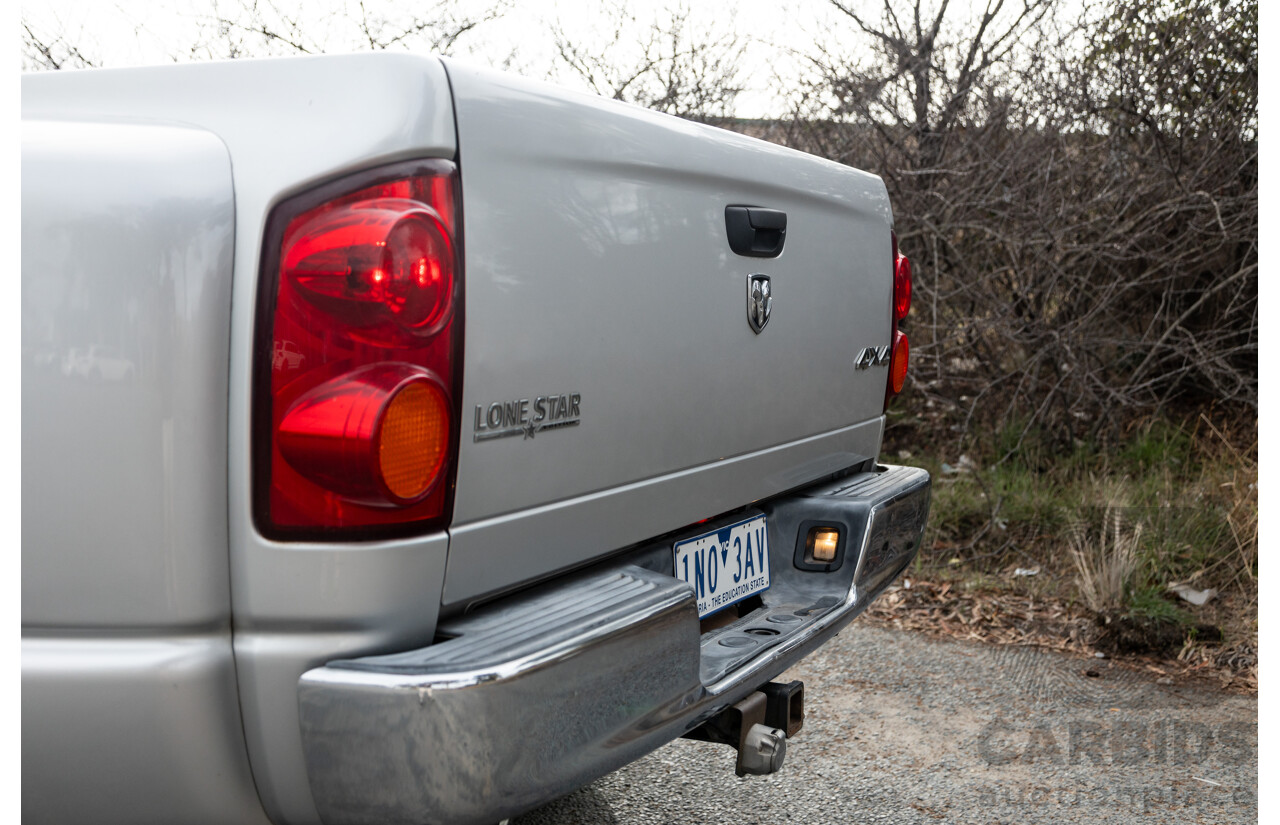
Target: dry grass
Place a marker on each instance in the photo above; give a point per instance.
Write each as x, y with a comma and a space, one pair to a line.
1105, 567
1240, 494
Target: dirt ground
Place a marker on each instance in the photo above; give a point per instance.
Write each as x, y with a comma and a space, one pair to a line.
903, 726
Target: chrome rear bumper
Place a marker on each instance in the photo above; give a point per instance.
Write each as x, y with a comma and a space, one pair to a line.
545, 691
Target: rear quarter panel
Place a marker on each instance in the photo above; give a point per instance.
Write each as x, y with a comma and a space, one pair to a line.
129, 708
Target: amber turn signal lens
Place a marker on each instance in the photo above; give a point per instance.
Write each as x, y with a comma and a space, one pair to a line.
413, 440
898, 363
378, 435
824, 541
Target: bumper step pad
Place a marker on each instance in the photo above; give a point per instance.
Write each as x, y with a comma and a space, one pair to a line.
532, 627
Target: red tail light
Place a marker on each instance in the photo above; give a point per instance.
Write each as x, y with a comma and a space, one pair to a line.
359, 345
901, 287
383, 265
898, 351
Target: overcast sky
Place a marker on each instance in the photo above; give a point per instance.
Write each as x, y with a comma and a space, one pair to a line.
130, 32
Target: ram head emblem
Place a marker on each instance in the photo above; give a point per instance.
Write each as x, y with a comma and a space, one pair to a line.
759, 301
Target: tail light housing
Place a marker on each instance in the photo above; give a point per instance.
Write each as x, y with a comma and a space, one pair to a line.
898, 347
358, 357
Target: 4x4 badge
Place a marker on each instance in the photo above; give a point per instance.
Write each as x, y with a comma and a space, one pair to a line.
759, 301
871, 357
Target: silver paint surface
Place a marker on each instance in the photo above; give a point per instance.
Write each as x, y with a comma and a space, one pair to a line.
128, 681
133, 729
126, 247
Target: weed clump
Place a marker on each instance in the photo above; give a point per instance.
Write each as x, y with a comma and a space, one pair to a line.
1105, 560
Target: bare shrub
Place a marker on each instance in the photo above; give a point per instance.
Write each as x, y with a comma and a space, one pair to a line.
53, 47
256, 28
228, 29
1079, 198
667, 63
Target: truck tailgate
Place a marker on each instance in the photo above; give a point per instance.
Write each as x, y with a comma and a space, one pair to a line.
608, 348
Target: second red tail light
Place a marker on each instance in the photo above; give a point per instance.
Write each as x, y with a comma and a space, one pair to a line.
898, 347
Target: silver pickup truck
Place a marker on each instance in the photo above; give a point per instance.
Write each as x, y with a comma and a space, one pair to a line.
463, 439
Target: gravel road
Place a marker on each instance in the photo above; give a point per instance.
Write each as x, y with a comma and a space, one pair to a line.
904, 728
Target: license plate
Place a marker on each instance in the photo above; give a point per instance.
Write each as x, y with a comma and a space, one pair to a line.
726, 565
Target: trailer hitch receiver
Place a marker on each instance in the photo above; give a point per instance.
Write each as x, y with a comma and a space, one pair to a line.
758, 727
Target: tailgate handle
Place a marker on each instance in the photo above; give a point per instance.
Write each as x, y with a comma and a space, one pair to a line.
755, 231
